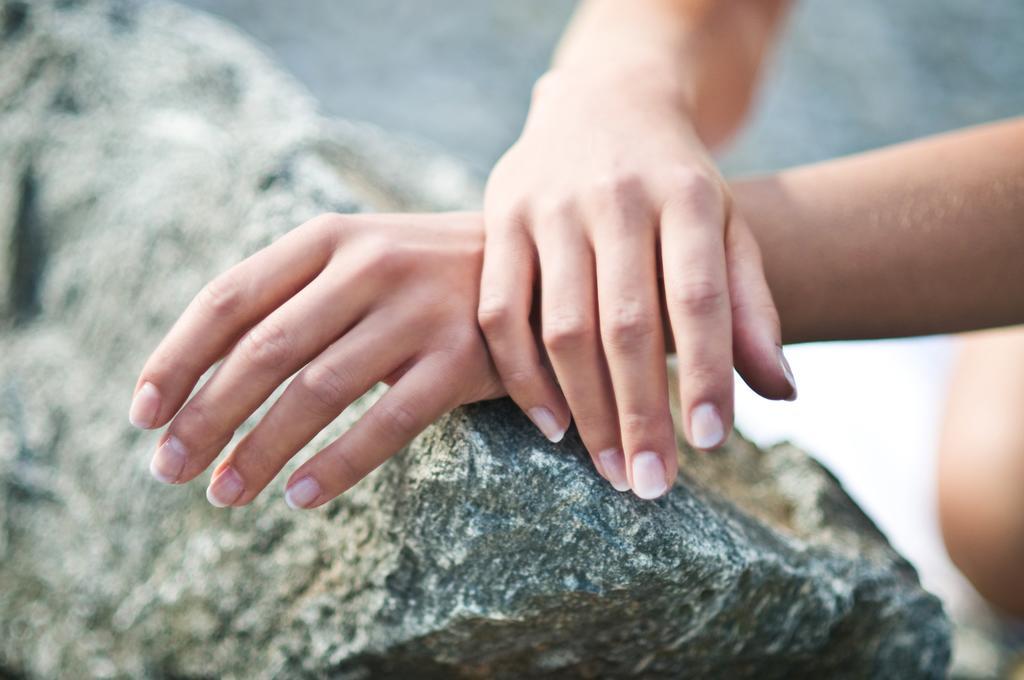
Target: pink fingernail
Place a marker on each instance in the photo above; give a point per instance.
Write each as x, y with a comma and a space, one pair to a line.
788, 372
649, 479
145, 407
302, 493
614, 465
706, 427
168, 461
226, 488
545, 421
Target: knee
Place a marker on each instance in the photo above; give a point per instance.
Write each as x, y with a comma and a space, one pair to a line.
981, 510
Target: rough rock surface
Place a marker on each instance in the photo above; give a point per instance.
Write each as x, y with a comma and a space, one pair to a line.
144, 148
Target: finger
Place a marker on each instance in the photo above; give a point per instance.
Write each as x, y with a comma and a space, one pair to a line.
572, 338
274, 349
697, 299
757, 336
631, 334
400, 414
506, 296
315, 397
222, 311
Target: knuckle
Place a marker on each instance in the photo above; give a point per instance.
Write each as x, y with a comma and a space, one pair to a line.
693, 188
638, 426
379, 256
518, 376
462, 344
494, 314
763, 310
617, 196
701, 379
518, 379
329, 387
329, 221
222, 296
595, 424
344, 473
256, 458
566, 330
267, 345
505, 212
691, 181
396, 417
618, 188
557, 210
194, 425
698, 297
164, 369
629, 325
328, 228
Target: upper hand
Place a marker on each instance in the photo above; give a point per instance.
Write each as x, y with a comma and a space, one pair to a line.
607, 202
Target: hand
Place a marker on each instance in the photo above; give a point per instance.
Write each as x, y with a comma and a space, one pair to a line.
347, 301
607, 190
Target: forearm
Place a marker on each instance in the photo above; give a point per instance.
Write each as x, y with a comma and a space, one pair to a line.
707, 53
919, 238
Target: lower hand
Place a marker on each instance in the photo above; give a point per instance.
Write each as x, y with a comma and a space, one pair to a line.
347, 302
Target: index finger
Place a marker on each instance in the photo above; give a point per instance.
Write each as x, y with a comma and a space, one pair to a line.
220, 313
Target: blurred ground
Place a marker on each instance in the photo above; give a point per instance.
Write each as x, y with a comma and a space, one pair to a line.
848, 76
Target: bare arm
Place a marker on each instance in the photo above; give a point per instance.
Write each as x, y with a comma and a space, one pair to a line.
918, 238
709, 51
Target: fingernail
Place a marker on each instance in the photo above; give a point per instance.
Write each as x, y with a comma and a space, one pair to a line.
614, 465
546, 423
145, 406
706, 427
302, 493
225, 489
168, 461
648, 475
788, 372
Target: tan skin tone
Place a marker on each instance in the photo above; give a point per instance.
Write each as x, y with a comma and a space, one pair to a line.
609, 207
981, 466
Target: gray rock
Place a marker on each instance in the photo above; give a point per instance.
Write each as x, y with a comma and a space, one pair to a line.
144, 148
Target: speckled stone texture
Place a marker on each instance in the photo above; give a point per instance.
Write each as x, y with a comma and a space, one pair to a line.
143, 149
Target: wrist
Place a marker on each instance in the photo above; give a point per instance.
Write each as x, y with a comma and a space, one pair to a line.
648, 83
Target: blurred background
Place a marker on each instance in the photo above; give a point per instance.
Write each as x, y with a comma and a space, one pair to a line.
456, 74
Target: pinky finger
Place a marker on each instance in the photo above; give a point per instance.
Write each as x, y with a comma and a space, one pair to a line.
757, 337
405, 410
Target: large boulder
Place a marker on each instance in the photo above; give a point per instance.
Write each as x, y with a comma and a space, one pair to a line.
144, 148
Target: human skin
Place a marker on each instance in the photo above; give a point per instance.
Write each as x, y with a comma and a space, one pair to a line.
924, 237
981, 466
608, 201
410, 280
918, 238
